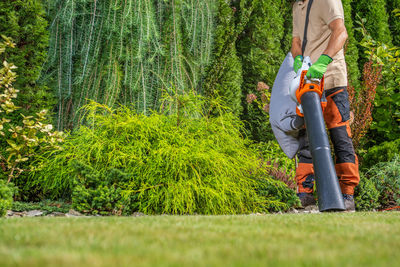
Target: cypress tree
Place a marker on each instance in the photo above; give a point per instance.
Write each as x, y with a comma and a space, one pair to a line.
224, 77
394, 21
351, 50
24, 21
260, 50
377, 19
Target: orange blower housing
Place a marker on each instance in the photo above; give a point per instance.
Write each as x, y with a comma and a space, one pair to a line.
309, 86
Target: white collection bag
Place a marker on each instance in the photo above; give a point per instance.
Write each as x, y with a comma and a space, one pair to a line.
283, 108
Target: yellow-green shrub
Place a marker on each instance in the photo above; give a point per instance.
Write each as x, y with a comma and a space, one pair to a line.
182, 163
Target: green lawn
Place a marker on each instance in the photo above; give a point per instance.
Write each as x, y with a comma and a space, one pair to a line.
358, 239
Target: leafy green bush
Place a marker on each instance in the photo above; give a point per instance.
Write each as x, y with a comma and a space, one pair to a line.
383, 152
19, 141
385, 126
386, 177
366, 195
123, 162
6, 197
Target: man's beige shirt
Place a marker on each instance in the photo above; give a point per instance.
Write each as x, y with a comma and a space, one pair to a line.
322, 13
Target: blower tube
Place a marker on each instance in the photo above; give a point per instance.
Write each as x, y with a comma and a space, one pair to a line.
330, 197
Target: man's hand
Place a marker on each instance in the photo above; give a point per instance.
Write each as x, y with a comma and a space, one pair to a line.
318, 69
298, 62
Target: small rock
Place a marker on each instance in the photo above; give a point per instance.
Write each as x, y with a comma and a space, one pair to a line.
73, 213
10, 213
19, 214
34, 213
293, 210
138, 214
57, 214
311, 208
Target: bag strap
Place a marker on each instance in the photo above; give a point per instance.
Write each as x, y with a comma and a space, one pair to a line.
303, 47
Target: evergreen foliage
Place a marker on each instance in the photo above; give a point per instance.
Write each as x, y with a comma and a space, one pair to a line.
383, 152
260, 50
394, 21
160, 164
386, 177
224, 77
376, 23
6, 197
125, 51
376, 19
24, 22
351, 50
366, 195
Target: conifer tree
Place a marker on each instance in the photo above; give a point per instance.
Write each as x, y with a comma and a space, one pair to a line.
394, 21
125, 51
260, 50
24, 22
351, 50
377, 19
224, 77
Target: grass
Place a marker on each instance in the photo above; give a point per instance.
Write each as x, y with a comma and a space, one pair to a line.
358, 239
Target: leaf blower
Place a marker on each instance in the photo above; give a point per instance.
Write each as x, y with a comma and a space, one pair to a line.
307, 94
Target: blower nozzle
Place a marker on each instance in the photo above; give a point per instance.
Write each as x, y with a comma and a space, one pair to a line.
308, 96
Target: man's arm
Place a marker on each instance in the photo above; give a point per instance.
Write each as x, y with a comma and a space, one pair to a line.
336, 42
338, 37
296, 47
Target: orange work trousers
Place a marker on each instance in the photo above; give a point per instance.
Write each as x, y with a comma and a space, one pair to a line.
337, 119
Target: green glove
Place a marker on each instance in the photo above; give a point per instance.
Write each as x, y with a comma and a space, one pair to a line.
298, 62
318, 69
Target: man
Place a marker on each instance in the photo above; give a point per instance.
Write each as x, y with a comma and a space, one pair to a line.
325, 37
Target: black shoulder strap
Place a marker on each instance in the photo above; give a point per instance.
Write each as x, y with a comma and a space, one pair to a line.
303, 47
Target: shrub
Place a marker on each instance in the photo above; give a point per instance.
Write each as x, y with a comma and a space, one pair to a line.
20, 141
6, 197
362, 102
366, 195
182, 163
45, 206
385, 58
383, 152
386, 177
279, 166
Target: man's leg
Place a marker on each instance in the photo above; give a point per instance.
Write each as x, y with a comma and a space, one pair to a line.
337, 118
305, 172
